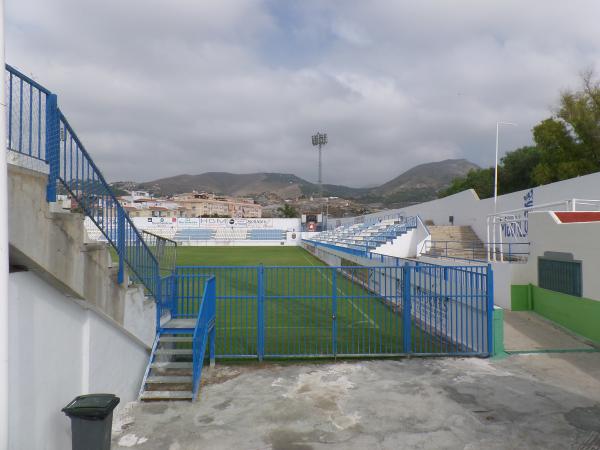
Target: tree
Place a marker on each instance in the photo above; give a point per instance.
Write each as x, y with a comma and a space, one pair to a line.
516, 168
288, 211
482, 180
567, 146
569, 142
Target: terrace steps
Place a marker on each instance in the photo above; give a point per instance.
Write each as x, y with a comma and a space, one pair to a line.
462, 242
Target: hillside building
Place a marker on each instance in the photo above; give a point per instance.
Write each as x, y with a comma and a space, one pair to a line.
197, 204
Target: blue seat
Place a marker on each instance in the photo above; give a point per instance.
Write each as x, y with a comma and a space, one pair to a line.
266, 235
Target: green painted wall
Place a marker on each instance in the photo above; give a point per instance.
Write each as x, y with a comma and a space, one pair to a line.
520, 297
581, 315
498, 332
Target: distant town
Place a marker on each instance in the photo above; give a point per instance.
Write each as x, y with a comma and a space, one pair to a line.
192, 204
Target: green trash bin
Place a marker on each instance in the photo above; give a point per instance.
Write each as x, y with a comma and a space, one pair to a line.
91, 420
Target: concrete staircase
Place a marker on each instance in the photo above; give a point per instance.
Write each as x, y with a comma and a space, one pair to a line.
455, 242
169, 374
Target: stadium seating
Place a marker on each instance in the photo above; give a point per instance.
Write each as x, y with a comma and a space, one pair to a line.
230, 234
266, 235
194, 234
365, 237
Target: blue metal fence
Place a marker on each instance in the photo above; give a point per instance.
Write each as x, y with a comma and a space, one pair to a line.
286, 312
38, 129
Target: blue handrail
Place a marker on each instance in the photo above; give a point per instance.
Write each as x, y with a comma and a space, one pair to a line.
205, 325
38, 129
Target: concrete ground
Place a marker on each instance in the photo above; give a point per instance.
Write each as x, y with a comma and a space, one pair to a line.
527, 331
537, 401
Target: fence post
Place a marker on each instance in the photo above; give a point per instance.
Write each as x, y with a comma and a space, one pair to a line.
159, 303
213, 310
406, 310
334, 309
261, 313
174, 293
52, 146
121, 243
490, 308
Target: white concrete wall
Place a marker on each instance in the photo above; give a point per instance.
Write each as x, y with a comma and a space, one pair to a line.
504, 273
58, 350
408, 245
548, 234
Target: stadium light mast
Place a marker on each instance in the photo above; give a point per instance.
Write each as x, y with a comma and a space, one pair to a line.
320, 139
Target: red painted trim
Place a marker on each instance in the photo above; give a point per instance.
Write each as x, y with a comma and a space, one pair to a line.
578, 216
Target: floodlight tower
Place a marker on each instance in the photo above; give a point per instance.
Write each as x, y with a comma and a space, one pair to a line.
320, 139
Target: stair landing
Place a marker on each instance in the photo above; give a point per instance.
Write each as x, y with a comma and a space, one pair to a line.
189, 324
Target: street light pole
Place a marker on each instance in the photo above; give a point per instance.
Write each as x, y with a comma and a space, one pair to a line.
496, 164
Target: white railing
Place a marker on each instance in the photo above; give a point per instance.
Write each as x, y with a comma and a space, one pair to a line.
514, 224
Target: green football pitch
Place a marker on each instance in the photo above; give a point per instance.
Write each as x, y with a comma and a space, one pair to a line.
309, 310
245, 256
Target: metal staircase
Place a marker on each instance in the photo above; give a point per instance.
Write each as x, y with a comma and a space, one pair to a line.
185, 327
170, 372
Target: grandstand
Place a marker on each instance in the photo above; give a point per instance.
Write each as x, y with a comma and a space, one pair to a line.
216, 232
233, 234
366, 237
194, 234
266, 235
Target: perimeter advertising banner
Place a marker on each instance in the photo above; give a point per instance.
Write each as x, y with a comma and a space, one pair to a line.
210, 222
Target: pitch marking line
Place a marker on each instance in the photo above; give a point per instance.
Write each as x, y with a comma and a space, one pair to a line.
343, 294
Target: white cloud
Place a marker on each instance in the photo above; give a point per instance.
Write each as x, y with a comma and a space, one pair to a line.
159, 88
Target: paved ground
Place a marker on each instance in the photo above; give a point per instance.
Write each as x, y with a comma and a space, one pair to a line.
526, 330
545, 401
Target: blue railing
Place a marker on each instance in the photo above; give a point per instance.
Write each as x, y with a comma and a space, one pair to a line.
204, 333
38, 129
26, 119
336, 311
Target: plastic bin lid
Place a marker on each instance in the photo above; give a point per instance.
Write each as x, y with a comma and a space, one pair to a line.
92, 406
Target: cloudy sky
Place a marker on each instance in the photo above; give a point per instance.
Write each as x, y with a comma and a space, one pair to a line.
159, 88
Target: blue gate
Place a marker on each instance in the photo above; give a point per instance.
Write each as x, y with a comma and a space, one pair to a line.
309, 311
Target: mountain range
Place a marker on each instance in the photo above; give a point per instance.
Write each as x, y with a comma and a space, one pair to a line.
421, 183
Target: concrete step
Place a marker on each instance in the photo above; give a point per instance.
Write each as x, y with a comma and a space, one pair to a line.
171, 365
166, 395
169, 379
173, 351
176, 339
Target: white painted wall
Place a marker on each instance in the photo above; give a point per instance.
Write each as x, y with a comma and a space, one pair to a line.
407, 245
582, 240
503, 279
58, 350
